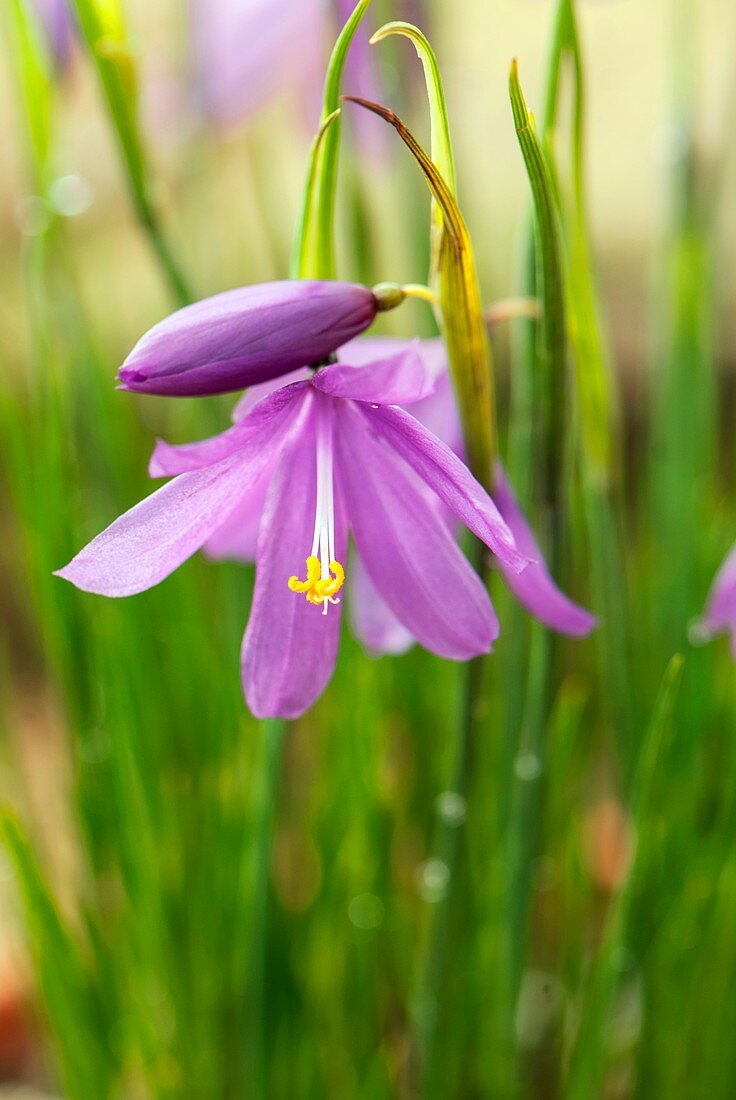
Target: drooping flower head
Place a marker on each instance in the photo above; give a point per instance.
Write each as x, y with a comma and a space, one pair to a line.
338, 454
372, 619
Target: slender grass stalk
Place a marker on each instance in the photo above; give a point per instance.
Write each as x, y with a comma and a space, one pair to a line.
103, 28
588, 1059
599, 458
445, 847
313, 256
682, 454
548, 384
266, 800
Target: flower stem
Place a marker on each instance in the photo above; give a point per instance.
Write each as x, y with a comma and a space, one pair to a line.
543, 370
162, 249
104, 32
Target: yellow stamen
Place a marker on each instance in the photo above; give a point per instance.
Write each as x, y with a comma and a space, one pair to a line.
318, 589
314, 572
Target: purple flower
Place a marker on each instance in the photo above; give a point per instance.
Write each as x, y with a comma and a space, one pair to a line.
720, 610
363, 78
371, 618
246, 336
58, 25
247, 50
339, 454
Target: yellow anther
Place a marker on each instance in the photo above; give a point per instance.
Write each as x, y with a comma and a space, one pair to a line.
314, 572
318, 589
330, 586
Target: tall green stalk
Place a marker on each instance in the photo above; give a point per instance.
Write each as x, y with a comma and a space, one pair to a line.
598, 457
547, 382
103, 28
682, 455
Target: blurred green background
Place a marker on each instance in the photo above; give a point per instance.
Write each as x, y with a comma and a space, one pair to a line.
195, 905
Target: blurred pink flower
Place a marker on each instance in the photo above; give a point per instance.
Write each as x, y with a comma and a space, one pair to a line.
57, 23
720, 610
245, 51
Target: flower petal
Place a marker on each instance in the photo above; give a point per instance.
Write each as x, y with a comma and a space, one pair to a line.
252, 433
397, 379
450, 479
720, 611
438, 414
245, 51
534, 588
290, 647
254, 394
364, 350
408, 552
237, 538
151, 540
373, 623
245, 336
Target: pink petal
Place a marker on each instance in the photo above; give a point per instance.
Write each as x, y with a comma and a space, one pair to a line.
450, 479
237, 538
720, 611
251, 433
290, 647
246, 51
397, 379
364, 350
372, 621
408, 552
534, 588
438, 414
151, 540
254, 394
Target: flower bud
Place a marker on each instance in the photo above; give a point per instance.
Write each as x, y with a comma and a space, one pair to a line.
246, 336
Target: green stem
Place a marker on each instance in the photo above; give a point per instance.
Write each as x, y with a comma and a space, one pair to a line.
169, 265
544, 391
104, 34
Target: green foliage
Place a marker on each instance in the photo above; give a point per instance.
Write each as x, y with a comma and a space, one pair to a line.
264, 911
314, 245
103, 27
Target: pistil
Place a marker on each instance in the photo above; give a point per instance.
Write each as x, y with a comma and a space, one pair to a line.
325, 576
